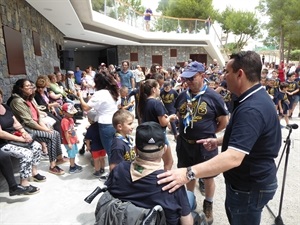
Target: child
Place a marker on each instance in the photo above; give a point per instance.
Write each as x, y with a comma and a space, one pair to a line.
122, 148
69, 137
94, 145
125, 104
168, 97
283, 102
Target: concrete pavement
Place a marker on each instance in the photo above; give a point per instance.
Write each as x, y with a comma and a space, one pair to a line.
61, 199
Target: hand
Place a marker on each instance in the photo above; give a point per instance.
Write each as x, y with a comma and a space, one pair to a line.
70, 146
27, 137
209, 143
79, 93
88, 149
173, 117
175, 179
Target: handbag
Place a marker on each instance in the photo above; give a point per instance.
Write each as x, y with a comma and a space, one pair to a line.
22, 144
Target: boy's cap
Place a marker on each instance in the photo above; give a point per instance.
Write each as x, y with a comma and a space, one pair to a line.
149, 134
192, 69
69, 108
92, 115
70, 72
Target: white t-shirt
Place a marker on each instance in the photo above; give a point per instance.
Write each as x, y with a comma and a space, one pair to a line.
105, 105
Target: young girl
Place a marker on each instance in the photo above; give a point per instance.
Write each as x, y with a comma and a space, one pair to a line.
150, 108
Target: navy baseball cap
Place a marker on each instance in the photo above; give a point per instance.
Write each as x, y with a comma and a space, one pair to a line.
192, 69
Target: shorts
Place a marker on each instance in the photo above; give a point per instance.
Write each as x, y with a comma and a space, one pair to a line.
73, 151
98, 153
191, 154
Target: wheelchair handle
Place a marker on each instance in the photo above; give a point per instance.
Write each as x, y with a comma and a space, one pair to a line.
93, 195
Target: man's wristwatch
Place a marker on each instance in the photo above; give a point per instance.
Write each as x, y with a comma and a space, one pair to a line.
190, 174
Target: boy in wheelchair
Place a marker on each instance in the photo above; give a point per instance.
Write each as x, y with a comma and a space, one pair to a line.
135, 183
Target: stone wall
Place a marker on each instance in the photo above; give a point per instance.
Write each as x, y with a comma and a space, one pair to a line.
19, 15
145, 54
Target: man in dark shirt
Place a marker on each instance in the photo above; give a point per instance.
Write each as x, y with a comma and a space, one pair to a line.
136, 181
250, 144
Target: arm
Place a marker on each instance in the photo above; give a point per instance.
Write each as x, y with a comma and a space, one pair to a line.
165, 119
132, 82
222, 122
83, 104
67, 136
88, 144
220, 163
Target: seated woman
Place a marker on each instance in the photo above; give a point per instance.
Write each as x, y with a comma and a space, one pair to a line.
29, 157
52, 109
7, 170
26, 111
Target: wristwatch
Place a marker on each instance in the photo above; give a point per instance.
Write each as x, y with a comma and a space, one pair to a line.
190, 175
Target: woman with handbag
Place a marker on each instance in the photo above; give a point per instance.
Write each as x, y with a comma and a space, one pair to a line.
26, 111
11, 134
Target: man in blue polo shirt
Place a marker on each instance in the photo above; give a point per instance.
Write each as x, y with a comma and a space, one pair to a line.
136, 181
250, 144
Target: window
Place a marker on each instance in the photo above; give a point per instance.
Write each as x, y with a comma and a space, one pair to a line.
173, 52
36, 43
134, 57
14, 51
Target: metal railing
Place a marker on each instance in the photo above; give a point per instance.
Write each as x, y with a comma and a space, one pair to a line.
134, 17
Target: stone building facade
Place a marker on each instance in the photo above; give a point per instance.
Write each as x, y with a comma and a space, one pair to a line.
20, 16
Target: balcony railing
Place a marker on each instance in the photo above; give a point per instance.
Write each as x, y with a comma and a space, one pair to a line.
126, 13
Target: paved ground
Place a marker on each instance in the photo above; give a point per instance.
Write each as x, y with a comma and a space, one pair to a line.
61, 199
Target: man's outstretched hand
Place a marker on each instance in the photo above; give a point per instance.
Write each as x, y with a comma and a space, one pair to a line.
173, 178
209, 143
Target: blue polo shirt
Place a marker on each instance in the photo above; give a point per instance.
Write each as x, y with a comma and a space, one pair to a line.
147, 193
253, 129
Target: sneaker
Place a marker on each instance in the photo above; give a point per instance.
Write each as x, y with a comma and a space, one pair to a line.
18, 190
104, 178
56, 170
97, 174
102, 170
78, 167
208, 211
201, 187
74, 169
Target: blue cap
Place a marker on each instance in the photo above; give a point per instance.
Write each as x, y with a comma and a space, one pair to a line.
192, 69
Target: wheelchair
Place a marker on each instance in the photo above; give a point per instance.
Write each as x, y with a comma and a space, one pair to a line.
110, 210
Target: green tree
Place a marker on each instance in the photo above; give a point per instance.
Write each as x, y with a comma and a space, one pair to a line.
196, 9
244, 25
284, 23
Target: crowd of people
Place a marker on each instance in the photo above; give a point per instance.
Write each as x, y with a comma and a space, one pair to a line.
194, 102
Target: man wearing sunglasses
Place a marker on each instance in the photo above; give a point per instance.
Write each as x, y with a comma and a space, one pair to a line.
202, 113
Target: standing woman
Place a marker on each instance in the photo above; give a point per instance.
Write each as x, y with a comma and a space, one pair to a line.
105, 101
25, 109
150, 108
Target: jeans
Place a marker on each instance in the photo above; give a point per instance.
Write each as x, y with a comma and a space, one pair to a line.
192, 199
245, 207
107, 132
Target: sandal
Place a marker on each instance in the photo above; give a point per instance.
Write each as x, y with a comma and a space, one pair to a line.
56, 170
31, 190
62, 160
39, 178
